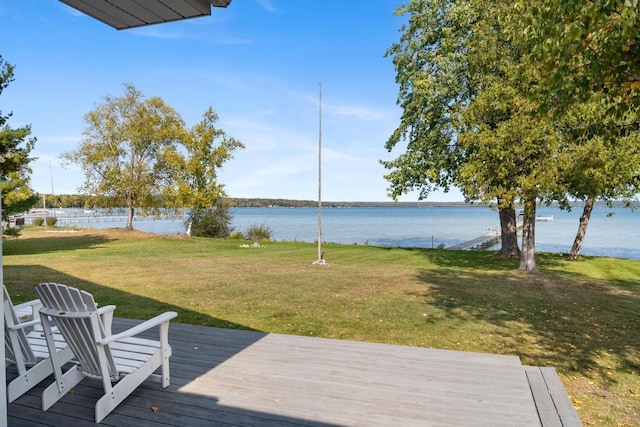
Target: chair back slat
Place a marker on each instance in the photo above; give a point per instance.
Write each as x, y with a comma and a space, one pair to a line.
75, 315
17, 349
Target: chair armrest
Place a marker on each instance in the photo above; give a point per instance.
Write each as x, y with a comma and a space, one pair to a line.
106, 315
156, 321
32, 306
106, 309
22, 325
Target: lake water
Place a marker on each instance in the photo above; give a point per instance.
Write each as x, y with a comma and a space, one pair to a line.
612, 232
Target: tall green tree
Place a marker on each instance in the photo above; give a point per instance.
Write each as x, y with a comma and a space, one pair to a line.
470, 114
499, 100
123, 144
511, 158
194, 175
511, 146
137, 153
15, 155
436, 82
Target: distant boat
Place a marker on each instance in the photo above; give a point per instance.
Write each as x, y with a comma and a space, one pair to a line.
541, 218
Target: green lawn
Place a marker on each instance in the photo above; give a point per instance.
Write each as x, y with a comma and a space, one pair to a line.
583, 318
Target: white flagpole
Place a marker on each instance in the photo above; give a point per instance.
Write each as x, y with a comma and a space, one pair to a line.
320, 260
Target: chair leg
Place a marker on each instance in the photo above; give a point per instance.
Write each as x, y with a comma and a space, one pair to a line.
166, 376
29, 379
33, 376
52, 393
123, 388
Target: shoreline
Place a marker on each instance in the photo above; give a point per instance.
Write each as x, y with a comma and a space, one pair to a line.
442, 226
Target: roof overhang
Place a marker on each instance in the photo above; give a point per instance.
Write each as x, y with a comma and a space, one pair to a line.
123, 14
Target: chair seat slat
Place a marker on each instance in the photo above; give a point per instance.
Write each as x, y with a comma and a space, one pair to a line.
128, 365
134, 348
123, 355
141, 341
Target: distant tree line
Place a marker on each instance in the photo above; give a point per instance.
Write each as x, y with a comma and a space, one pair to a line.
288, 203
90, 202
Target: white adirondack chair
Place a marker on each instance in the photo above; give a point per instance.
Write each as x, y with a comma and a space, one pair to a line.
26, 347
121, 361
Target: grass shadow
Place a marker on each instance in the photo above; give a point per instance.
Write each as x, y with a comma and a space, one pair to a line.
545, 318
40, 245
486, 259
21, 280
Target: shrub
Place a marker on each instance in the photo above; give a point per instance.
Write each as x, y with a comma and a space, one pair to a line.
11, 231
259, 232
51, 221
237, 235
214, 222
37, 222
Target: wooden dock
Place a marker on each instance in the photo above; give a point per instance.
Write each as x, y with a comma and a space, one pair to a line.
488, 239
244, 378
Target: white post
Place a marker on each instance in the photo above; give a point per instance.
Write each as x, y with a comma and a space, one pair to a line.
3, 371
44, 212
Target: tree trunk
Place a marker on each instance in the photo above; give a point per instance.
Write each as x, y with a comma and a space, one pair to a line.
582, 229
528, 255
508, 231
130, 214
129, 225
131, 200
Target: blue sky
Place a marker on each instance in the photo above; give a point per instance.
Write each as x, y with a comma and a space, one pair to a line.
258, 63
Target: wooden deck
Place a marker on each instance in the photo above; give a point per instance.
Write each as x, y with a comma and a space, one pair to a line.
244, 378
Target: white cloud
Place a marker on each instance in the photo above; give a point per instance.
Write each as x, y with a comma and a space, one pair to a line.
160, 32
267, 5
352, 111
181, 31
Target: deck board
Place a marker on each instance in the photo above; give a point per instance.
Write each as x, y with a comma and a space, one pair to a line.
246, 378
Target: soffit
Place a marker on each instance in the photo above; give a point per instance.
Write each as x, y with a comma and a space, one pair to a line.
123, 14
